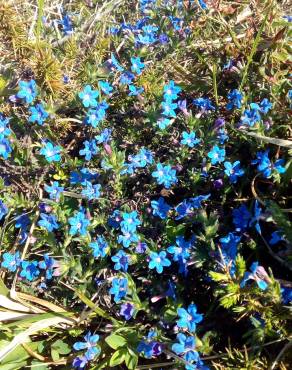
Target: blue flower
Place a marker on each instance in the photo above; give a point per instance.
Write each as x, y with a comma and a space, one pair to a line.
276, 237
5, 148
169, 108
121, 260
181, 250
80, 362
141, 159
158, 261
79, 224
176, 22
189, 318
115, 64
163, 123
197, 201
104, 137
11, 261
81, 177
99, 247
137, 66
105, 87
49, 222
149, 348
54, 190
235, 99
127, 78
119, 288
27, 91
258, 274
127, 310
241, 217
265, 166
286, 293
29, 270
22, 223
222, 135
4, 130
203, 5
38, 114
3, 210
189, 139
186, 346
165, 175
51, 152
216, 155
92, 350
128, 238
115, 219
90, 149
91, 191
95, 116
265, 106
171, 91
48, 264
279, 166
229, 245
204, 104
148, 35
88, 97
256, 218
66, 24
187, 206
134, 91
160, 208
251, 116
130, 221
233, 171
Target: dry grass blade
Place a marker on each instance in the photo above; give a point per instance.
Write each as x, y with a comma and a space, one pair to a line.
51, 306
34, 328
11, 316
14, 306
271, 140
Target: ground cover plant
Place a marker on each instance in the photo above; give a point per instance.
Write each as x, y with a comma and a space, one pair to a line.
145, 157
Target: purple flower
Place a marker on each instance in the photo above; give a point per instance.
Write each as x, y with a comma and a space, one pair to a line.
127, 310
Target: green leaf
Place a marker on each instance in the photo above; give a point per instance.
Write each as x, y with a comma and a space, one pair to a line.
18, 355
217, 276
131, 359
118, 357
38, 365
170, 313
240, 266
61, 347
55, 355
14, 366
3, 290
173, 230
115, 341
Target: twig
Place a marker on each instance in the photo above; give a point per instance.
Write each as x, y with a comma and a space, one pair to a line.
244, 350
279, 259
152, 366
284, 349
